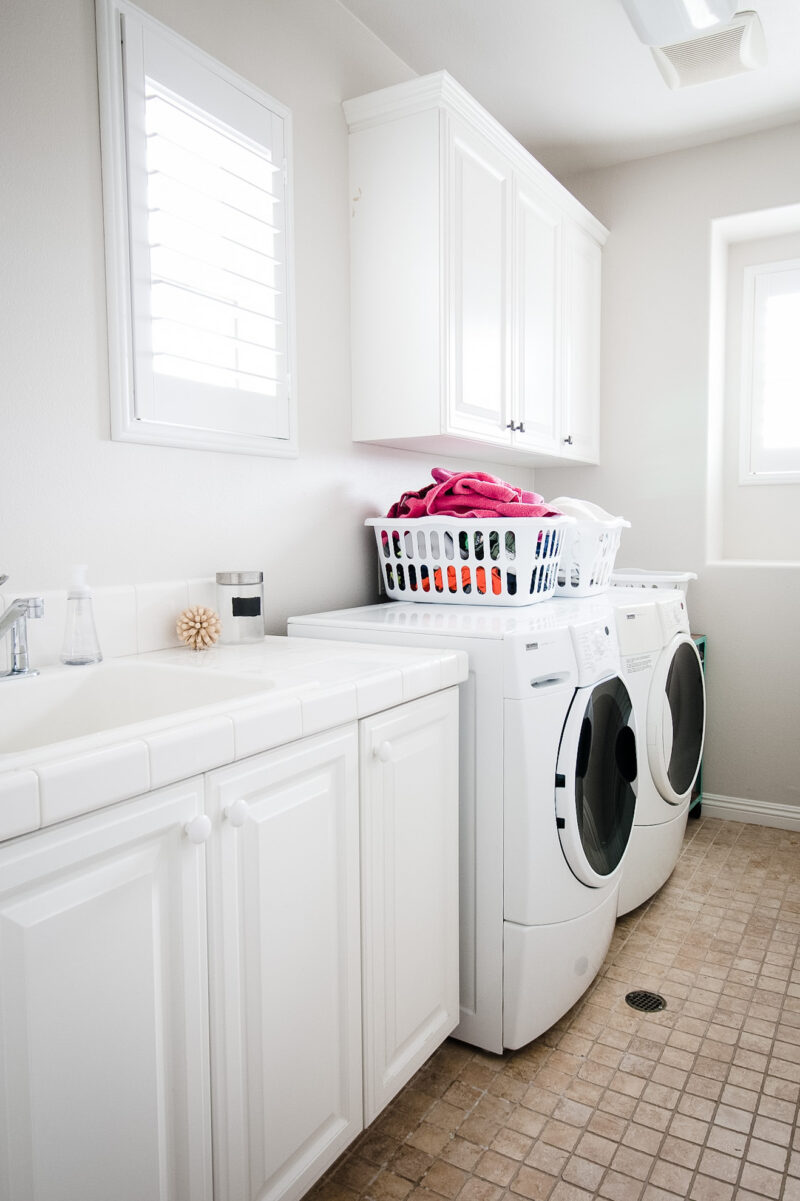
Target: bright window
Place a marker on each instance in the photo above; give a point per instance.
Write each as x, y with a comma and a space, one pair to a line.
770, 432
198, 210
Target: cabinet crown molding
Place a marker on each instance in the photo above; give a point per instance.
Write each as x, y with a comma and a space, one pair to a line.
441, 91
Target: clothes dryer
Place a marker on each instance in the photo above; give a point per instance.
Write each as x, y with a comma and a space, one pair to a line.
547, 797
664, 674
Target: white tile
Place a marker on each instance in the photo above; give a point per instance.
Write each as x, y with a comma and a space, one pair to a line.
379, 691
19, 803
454, 667
190, 749
324, 708
268, 724
420, 677
89, 781
203, 592
157, 610
115, 618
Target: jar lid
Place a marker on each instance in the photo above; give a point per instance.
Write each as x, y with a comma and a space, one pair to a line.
240, 577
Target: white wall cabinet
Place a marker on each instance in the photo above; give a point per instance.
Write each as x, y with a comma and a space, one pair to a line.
128, 1019
479, 231
104, 1080
474, 285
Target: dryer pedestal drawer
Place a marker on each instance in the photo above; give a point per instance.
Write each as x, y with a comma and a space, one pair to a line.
652, 854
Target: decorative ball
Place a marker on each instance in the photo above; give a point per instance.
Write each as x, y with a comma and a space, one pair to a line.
198, 627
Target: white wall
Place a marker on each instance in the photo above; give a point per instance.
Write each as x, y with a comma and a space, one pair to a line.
654, 439
136, 513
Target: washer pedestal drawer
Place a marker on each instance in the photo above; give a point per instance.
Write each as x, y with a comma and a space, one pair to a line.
547, 968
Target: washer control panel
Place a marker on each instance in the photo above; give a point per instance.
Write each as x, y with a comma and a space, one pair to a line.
596, 649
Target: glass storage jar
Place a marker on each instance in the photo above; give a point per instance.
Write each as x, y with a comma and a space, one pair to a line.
240, 602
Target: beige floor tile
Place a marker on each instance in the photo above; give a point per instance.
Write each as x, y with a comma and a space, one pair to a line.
696, 1103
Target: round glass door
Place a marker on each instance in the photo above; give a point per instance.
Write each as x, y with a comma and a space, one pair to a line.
595, 780
676, 719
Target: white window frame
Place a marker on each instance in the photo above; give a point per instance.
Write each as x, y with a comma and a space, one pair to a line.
133, 418
759, 464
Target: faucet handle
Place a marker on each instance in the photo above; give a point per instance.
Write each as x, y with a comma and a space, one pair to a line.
34, 605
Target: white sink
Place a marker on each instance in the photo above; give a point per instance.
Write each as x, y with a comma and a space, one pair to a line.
72, 702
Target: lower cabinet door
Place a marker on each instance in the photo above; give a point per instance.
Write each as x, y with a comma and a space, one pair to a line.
409, 836
104, 1089
285, 966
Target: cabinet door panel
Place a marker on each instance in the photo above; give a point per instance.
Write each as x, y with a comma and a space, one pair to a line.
285, 967
478, 216
103, 1019
409, 823
538, 326
580, 430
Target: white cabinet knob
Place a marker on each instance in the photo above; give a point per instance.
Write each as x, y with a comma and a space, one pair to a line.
198, 829
236, 812
384, 752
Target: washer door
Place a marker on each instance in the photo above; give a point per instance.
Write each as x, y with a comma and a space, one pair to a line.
676, 719
595, 794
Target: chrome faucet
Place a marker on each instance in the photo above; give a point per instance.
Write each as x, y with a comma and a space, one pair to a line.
15, 619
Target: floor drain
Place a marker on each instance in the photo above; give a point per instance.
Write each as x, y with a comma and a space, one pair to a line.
645, 1002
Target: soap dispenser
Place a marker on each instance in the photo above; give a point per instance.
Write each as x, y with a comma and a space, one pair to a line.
80, 636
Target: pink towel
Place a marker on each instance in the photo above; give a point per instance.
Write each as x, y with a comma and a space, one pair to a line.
470, 494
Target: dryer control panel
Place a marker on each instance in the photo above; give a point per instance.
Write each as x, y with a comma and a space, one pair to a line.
596, 649
673, 616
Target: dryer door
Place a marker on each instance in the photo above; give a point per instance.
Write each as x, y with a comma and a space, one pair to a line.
595, 793
676, 719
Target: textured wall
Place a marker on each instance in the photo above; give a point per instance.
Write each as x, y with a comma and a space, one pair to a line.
139, 513
654, 439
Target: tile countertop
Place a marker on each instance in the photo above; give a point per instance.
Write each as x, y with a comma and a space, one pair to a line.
310, 686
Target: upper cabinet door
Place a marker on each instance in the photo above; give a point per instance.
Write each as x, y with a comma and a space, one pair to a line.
285, 966
461, 309
409, 840
104, 1076
477, 219
581, 415
537, 379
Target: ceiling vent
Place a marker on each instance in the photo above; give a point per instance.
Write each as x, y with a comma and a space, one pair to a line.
729, 50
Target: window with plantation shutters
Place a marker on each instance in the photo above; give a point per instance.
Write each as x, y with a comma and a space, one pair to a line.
197, 187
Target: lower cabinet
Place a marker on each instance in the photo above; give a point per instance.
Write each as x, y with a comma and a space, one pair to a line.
181, 975
409, 874
285, 966
104, 1082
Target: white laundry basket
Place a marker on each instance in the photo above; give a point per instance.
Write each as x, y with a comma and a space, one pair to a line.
638, 577
470, 561
589, 553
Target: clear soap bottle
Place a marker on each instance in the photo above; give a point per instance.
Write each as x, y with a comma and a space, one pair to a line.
81, 645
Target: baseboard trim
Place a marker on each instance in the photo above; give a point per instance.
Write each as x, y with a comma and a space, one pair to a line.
756, 813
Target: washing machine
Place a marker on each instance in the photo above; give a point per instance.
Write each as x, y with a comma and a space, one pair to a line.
548, 781
662, 669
